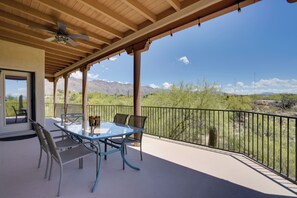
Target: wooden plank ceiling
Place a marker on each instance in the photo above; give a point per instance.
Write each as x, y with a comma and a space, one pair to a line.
112, 25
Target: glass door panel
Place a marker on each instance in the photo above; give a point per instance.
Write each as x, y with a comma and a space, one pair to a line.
16, 99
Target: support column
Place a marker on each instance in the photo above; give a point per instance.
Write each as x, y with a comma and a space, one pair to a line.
55, 94
84, 71
66, 77
136, 50
137, 83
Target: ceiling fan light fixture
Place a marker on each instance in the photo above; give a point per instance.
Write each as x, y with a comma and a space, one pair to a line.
61, 39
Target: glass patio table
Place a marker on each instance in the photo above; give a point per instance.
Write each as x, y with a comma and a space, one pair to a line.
100, 134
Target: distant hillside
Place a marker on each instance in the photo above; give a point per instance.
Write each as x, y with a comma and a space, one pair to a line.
100, 86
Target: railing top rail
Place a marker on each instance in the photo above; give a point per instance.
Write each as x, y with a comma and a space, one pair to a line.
201, 109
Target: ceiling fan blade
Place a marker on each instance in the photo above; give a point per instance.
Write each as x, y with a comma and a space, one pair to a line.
41, 29
61, 27
71, 42
79, 36
50, 39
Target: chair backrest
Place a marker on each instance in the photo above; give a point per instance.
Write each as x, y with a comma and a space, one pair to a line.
72, 118
120, 118
137, 121
38, 130
52, 146
14, 109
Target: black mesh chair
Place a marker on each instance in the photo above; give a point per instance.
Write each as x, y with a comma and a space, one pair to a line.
20, 112
120, 119
135, 121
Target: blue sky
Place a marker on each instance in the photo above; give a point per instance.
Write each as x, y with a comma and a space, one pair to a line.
249, 52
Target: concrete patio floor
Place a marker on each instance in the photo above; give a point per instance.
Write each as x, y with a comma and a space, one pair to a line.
169, 169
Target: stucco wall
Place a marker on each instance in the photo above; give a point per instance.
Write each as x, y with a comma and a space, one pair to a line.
23, 58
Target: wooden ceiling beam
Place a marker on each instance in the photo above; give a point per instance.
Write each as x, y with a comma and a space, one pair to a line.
44, 17
175, 4
135, 5
54, 5
26, 41
20, 20
74, 50
110, 13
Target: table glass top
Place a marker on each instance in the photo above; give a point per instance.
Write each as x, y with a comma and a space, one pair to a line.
105, 130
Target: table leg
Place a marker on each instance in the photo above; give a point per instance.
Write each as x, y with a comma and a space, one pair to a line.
123, 156
99, 167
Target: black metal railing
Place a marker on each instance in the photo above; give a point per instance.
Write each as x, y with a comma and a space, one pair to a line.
268, 139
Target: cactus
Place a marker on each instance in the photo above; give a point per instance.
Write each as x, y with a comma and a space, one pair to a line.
213, 137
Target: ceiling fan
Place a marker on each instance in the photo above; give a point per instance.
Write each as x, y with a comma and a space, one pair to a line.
61, 35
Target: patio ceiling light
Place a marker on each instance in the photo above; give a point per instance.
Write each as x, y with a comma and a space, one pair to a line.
238, 8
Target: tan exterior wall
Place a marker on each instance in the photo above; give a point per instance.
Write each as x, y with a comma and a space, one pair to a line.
23, 58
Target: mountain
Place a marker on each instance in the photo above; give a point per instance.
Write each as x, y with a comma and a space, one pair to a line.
101, 86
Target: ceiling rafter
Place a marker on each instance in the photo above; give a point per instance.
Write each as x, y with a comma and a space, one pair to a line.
81, 17
141, 10
55, 63
57, 57
175, 4
110, 13
52, 60
44, 17
40, 38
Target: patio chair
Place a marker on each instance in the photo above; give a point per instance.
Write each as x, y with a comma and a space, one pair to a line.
61, 144
20, 112
71, 118
67, 156
118, 118
135, 121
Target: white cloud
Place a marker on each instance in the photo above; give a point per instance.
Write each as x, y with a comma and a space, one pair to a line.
167, 85
154, 86
240, 84
184, 59
93, 76
113, 58
273, 85
78, 75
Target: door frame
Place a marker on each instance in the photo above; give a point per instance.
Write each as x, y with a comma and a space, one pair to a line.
31, 101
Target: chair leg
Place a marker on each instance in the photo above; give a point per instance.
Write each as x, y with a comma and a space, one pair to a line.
16, 119
47, 162
141, 151
126, 149
105, 148
122, 150
60, 181
50, 171
40, 156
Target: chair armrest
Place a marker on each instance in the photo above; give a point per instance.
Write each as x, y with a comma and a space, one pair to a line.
92, 145
60, 136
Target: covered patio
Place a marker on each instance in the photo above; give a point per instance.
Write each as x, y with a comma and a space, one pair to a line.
51, 39
169, 169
